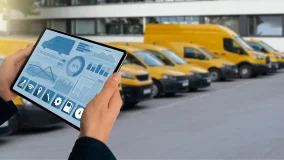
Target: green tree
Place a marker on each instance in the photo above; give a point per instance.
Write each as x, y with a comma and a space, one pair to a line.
27, 7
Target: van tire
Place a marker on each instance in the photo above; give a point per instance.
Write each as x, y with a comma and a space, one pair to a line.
14, 124
245, 71
130, 104
215, 74
156, 89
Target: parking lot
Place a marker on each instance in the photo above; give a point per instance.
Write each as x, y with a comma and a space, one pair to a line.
239, 119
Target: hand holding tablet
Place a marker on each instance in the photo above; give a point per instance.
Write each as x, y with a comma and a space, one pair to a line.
64, 73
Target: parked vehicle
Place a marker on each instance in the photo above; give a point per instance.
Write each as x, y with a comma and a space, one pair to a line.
166, 80
199, 77
265, 48
221, 41
136, 84
219, 69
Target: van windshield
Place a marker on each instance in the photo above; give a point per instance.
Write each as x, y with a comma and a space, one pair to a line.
207, 53
149, 59
268, 46
126, 61
243, 43
174, 57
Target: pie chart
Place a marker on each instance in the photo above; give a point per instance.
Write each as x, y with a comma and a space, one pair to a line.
75, 66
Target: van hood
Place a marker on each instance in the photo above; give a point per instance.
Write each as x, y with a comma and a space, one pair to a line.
166, 70
191, 68
133, 69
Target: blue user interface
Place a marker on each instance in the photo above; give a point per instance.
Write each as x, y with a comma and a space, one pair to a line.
64, 73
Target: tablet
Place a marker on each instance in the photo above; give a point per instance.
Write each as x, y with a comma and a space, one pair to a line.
64, 72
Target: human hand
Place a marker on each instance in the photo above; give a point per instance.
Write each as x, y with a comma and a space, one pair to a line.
100, 114
9, 70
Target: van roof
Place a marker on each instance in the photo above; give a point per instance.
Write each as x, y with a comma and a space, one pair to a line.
125, 47
189, 27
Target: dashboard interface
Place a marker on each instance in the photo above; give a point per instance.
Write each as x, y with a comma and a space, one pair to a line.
64, 73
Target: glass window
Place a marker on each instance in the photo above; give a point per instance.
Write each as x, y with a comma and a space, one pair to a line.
132, 26
268, 46
60, 2
149, 59
161, 57
191, 53
231, 46
83, 26
174, 57
60, 25
173, 20
231, 22
84, 2
257, 47
265, 25
207, 53
243, 42
111, 26
131, 59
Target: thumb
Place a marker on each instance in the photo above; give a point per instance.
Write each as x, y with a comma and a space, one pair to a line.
22, 54
110, 86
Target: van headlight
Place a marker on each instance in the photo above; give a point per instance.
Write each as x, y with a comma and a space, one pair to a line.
256, 56
126, 75
278, 56
167, 76
26, 102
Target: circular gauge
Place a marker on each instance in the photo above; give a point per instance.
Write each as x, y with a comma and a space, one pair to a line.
75, 66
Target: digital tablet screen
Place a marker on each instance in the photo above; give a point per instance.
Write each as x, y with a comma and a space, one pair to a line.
65, 72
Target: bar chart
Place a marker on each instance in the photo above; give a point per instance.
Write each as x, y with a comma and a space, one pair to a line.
99, 69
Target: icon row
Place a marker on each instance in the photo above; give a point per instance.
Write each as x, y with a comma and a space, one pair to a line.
39, 91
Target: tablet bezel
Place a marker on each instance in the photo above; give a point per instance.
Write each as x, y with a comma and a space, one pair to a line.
35, 45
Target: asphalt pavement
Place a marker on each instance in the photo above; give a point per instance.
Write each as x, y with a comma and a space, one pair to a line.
239, 119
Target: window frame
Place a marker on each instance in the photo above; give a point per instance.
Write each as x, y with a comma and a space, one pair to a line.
184, 49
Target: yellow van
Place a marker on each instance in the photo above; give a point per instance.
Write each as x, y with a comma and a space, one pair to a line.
265, 48
29, 115
219, 69
199, 78
12, 45
136, 84
166, 80
220, 40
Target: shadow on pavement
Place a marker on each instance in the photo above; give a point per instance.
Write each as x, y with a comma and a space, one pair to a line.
3, 141
40, 130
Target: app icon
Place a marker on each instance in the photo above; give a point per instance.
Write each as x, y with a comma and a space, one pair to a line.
68, 106
39, 91
58, 100
78, 113
48, 95
30, 86
23, 81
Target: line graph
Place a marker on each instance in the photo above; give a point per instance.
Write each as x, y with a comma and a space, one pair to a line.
37, 71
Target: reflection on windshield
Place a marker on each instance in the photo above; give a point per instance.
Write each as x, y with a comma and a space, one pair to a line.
174, 57
243, 43
148, 58
268, 46
207, 53
1, 60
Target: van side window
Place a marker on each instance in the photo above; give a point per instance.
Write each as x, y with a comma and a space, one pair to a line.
161, 57
191, 53
133, 60
231, 46
257, 47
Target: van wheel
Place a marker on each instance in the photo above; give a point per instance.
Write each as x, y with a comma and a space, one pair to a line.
245, 71
215, 74
130, 104
14, 124
156, 89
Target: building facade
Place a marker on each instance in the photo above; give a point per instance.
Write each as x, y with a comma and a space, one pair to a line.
125, 20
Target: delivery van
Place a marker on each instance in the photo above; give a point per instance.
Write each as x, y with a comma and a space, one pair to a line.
220, 69
12, 45
265, 48
136, 84
166, 80
28, 116
199, 77
221, 41
121, 94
